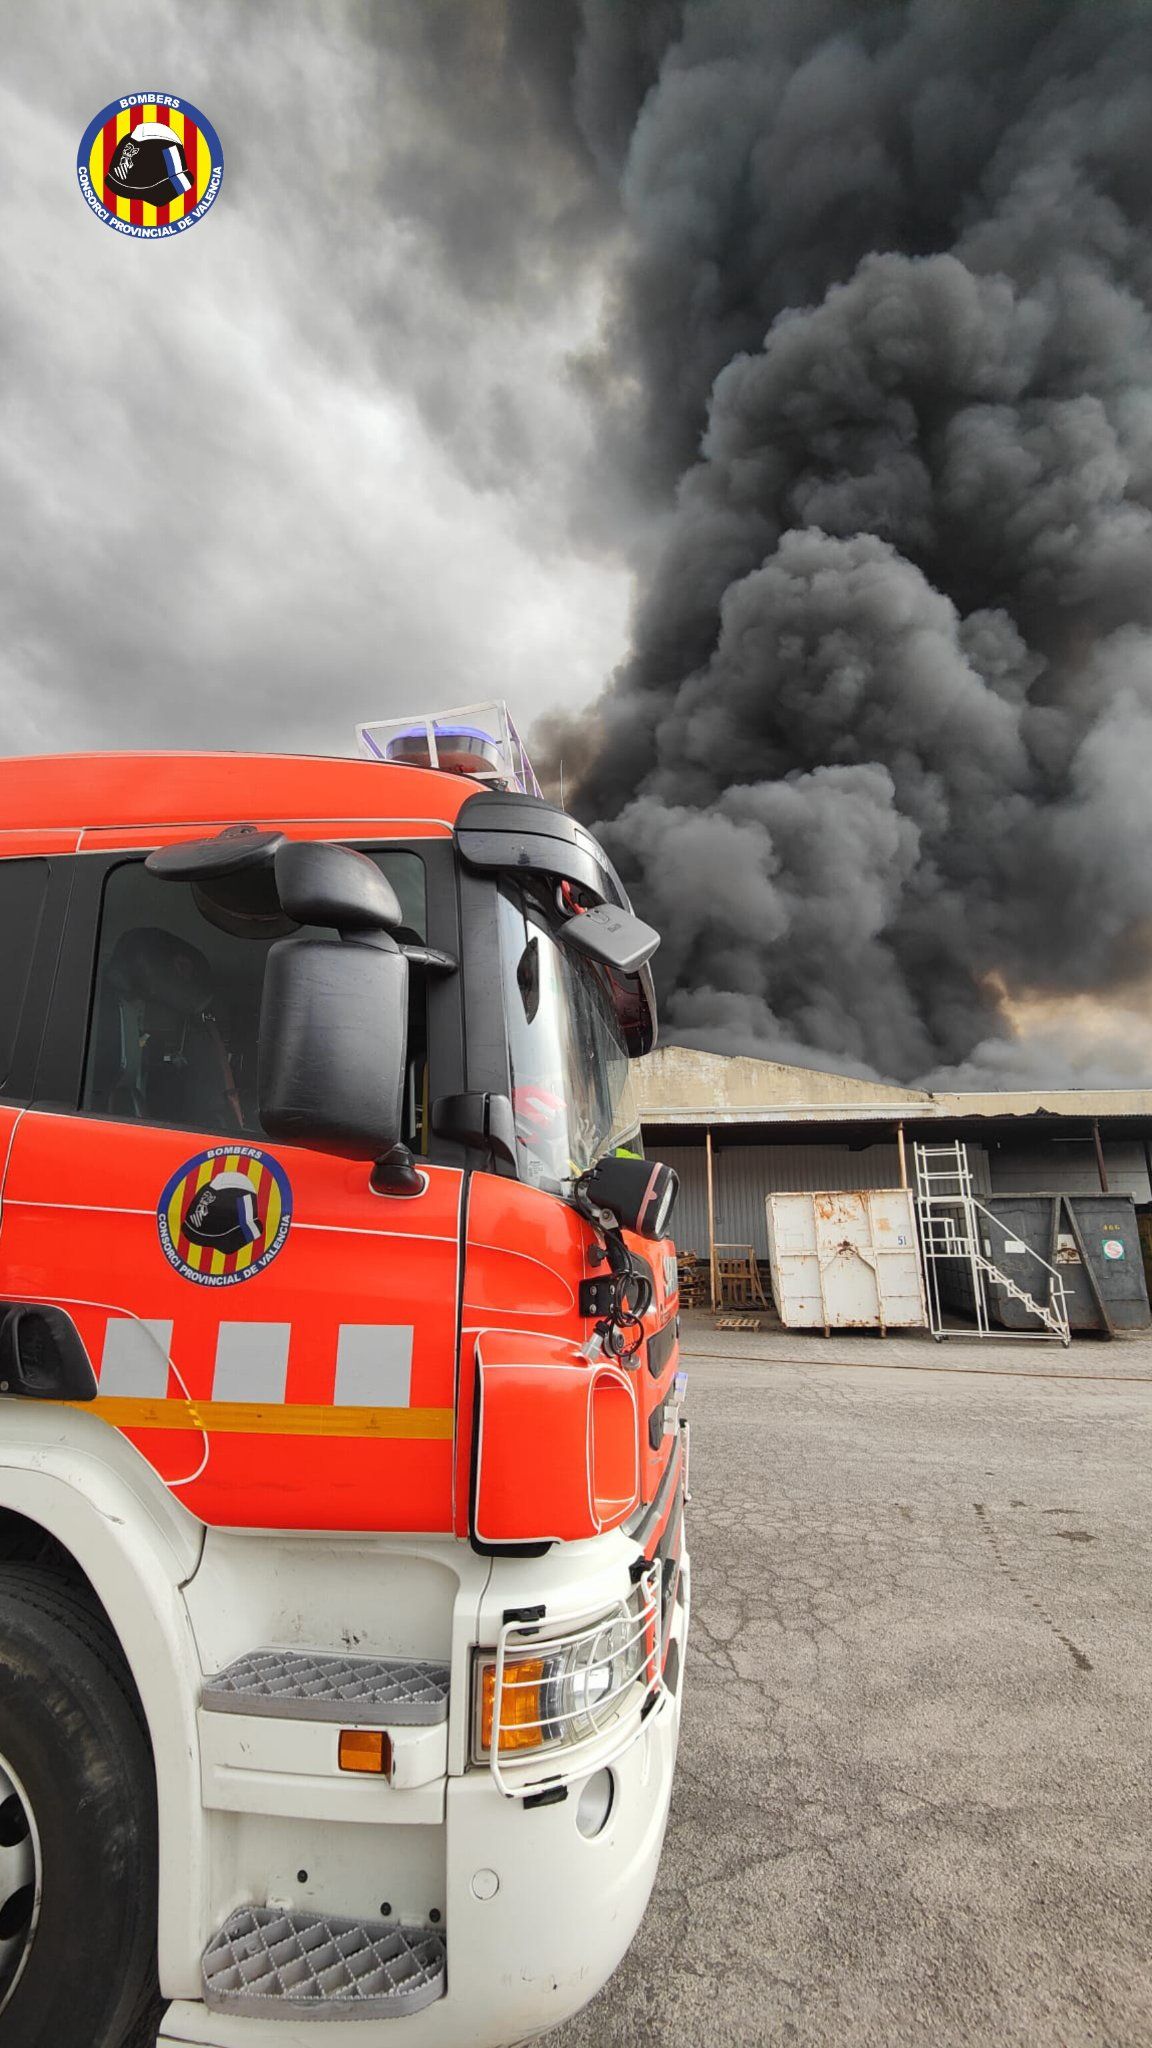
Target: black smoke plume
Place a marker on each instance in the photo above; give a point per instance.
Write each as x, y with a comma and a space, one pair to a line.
882, 338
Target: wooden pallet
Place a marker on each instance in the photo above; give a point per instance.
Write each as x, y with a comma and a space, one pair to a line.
693, 1277
738, 1277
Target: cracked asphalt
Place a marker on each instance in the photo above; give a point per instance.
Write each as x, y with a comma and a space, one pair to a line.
914, 1801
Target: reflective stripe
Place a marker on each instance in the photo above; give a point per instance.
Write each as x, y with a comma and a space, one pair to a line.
134, 1362
244, 1418
251, 1362
374, 1365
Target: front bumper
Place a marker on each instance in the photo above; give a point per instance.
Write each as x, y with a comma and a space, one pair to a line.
527, 1952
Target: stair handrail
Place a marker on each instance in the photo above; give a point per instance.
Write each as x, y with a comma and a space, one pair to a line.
1038, 1256
1057, 1306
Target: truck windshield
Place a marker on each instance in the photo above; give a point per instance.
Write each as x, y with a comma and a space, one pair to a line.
571, 1087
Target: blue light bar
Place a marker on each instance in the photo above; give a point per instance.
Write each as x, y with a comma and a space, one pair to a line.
456, 744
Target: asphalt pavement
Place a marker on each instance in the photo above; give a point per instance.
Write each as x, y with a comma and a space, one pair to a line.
914, 1799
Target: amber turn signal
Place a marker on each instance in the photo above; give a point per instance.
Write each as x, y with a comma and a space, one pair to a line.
366, 1749
520, 1716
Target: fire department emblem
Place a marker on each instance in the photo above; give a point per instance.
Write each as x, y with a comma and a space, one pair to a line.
150, 165
224, 1215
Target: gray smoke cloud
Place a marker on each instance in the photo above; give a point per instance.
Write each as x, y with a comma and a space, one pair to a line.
883, 329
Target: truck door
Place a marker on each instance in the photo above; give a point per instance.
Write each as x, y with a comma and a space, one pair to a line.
276, 1339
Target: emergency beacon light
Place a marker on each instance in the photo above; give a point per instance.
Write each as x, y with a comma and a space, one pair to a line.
477, 739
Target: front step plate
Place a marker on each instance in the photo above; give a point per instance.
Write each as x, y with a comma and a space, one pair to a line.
267, 1964
301, 1685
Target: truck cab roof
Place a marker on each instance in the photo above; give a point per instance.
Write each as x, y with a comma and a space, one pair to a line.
62, 792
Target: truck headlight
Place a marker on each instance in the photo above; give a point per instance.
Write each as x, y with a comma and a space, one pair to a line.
564, 1693
587, 1681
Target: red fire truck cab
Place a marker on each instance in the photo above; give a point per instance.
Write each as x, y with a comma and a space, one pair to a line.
343, 1591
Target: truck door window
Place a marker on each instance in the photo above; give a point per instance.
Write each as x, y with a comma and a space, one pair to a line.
176, 1004
23, 885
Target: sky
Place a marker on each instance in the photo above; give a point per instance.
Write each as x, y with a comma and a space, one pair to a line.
311, 461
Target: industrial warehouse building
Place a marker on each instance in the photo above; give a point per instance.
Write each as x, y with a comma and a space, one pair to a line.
757, 1128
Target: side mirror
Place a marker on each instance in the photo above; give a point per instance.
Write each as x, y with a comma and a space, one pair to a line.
265, 879
319, 882
333, 1043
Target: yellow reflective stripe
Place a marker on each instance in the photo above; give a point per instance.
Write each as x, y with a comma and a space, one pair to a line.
251, 1418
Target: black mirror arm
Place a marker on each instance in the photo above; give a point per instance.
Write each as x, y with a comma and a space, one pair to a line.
430, 958
397, 1174
478, 1121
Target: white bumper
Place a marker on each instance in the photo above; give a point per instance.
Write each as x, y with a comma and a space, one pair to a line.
523, 1959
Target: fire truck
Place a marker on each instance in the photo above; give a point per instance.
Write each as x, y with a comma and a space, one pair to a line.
343, 1586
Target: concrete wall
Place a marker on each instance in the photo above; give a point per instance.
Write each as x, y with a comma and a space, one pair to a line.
706, 1087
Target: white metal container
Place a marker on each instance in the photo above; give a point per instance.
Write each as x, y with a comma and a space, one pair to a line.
846, 1260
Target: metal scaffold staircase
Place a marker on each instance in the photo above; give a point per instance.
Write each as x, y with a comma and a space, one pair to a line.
956, 1230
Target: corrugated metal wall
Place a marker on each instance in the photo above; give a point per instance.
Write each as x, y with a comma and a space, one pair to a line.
1071, 1169
744, 1174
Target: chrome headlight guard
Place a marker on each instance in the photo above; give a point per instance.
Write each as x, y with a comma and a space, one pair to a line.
564, 1701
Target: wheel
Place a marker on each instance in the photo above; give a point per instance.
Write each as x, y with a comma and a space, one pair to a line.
77, 1825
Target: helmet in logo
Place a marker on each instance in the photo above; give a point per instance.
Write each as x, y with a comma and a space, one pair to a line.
222, 1216
149, 164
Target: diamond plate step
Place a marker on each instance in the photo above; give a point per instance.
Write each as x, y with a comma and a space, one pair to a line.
300, 1685
268, 1964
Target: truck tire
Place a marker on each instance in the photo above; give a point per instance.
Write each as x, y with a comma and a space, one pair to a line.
78, 1850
